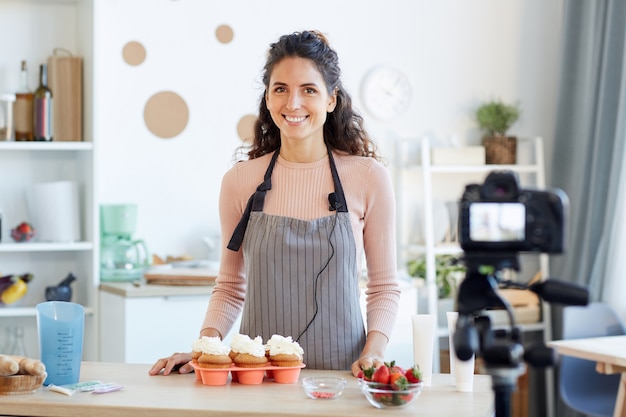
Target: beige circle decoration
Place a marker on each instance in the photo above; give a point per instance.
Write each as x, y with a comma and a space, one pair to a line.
166, 114
245, 128
224, 33
134, 53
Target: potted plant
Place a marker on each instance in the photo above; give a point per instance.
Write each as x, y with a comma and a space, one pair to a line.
495, 118
449, 271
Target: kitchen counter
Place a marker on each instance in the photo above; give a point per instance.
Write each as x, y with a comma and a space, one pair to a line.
182, 395
128, 289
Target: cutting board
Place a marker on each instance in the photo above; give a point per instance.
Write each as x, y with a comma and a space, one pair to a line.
181, 276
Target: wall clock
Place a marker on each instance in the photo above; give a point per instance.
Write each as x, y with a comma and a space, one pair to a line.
386, 92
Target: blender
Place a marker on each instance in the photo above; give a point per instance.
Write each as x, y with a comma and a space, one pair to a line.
122, 258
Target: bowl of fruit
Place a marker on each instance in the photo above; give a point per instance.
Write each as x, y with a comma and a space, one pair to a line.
391, 386
24, 232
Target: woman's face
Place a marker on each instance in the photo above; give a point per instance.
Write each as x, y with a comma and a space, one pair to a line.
298, 100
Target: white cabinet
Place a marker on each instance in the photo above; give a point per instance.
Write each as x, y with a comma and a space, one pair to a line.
424, 189
145, 323
34, 29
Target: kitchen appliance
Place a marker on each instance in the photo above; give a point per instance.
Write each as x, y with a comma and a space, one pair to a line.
122, 258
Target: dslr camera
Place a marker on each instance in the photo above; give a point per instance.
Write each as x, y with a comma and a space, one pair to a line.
499, 216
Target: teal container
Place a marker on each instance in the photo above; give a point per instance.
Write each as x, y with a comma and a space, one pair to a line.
60, 326
118, 219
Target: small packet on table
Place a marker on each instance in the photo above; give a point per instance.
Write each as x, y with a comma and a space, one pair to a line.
95, 387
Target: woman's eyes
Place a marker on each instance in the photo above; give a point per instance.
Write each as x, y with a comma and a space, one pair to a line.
306, 90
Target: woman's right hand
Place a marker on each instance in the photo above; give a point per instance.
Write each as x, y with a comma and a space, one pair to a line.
177, 361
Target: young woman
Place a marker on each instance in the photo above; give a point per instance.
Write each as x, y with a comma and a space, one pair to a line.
298, 217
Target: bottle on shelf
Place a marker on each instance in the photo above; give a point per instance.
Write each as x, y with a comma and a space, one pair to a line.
18, 347
23, 108
43, 106
9, 334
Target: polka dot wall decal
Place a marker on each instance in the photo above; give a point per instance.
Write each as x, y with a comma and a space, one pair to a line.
134, 53
245, 128
166, 114
224, 33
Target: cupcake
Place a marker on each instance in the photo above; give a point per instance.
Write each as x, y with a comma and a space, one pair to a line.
196, 348
250, 353
214, 353
284, 351
237, 343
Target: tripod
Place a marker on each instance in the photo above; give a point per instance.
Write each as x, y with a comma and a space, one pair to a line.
502, 350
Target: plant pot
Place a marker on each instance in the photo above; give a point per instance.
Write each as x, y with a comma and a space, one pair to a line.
500, 150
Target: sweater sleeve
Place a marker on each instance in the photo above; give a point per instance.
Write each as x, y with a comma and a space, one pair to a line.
379, 243
229, 292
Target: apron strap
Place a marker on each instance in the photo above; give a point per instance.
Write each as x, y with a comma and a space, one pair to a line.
337, 199
255, 203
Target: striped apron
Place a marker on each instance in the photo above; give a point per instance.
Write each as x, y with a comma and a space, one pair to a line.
302, 278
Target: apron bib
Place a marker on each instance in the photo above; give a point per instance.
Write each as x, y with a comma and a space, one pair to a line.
302, 279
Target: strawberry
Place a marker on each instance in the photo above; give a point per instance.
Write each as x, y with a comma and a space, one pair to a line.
383, 397
400, 399
381, 375
393, 368
398, 381
366, 374
413, 375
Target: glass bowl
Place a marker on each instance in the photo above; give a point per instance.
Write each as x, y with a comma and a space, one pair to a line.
323, 387
384, 396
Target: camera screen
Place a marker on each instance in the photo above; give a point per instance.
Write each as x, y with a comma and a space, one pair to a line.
497, 222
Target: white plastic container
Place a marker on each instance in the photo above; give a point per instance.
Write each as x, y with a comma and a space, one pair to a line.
7, 129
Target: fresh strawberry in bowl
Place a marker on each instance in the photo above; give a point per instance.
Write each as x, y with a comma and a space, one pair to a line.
389, 386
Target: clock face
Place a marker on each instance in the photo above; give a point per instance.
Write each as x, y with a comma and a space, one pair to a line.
386, 92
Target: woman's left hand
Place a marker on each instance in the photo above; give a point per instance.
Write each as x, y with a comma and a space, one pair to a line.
365, 362
373, 353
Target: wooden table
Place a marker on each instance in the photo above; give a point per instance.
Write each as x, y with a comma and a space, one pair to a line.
609, 353
181, 395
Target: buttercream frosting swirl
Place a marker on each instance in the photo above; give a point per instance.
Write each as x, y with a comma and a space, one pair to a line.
210, 346
244, 344
281, 345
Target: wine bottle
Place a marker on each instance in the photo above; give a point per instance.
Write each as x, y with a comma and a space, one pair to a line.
23, 108
43, 107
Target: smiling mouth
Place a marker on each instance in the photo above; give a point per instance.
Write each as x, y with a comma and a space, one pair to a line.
294, 119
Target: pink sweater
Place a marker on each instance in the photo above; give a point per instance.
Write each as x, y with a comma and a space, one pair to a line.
300, 190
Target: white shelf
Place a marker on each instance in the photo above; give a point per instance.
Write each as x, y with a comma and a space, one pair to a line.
46, 247
46, 146
28, 311
442, 249
468, 169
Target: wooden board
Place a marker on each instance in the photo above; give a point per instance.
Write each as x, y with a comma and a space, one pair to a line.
181, 276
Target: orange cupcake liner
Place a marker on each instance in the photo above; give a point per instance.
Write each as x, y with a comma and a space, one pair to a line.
248, 376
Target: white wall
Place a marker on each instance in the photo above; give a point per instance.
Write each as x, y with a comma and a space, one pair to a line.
456, 52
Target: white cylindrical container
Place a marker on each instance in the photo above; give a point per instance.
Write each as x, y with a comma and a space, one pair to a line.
424, 331
461, 372
54, 211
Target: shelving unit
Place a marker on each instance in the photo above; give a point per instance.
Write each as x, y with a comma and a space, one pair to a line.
69, 25
434, 183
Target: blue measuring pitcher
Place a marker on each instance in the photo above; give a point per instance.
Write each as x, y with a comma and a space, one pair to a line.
60, 326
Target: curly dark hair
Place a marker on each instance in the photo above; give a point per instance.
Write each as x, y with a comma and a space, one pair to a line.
343, 129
